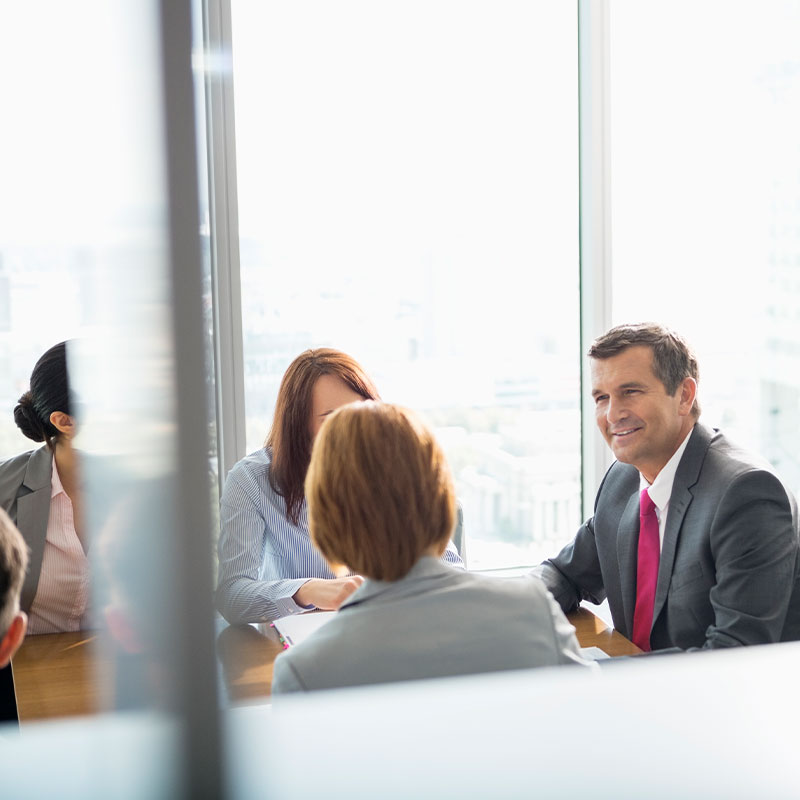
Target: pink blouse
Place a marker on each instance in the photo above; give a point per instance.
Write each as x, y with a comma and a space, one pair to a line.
62, 595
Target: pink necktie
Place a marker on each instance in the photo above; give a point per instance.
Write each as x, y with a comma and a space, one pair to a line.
646, 571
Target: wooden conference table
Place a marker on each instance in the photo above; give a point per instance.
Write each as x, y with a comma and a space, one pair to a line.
58, 674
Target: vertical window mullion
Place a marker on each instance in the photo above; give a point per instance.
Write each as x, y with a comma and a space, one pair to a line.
595, 221
224, 229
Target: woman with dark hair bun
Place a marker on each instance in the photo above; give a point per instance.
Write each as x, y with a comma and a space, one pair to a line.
40, 490
268, 566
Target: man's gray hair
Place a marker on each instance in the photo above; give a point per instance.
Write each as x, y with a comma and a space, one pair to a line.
673, 358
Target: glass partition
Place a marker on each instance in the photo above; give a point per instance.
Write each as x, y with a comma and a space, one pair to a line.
100, 245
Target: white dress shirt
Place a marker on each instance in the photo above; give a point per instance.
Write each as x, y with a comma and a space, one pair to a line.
660, 489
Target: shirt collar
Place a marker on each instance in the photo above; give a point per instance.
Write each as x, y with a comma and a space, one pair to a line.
660, 489
427, 567
55, 482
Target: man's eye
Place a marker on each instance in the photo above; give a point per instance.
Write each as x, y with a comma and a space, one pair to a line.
600, 398
632, 391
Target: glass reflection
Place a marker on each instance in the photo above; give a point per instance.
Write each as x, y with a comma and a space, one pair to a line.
84, 257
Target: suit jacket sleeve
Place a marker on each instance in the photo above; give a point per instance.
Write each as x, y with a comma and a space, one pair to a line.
574, 574
754, 549
565, 642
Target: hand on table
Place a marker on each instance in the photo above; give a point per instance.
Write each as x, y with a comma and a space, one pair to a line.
327, 593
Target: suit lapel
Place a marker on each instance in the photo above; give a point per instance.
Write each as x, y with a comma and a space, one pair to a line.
33, 513
686, 476
627, 547
678, 503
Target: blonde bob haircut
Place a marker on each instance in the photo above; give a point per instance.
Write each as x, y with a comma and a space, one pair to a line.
379, 490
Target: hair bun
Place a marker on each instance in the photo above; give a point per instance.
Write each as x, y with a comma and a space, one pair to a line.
27, 419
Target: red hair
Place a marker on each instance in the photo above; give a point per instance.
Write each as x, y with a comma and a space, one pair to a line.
290, 435
380, 492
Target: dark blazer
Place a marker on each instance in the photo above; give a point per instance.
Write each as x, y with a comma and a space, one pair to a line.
729, 572
25, 491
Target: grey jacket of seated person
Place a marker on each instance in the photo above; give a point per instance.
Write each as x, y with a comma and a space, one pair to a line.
437, 621
729, 572
25, 489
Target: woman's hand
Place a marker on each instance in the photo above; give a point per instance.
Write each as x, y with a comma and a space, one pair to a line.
327, 593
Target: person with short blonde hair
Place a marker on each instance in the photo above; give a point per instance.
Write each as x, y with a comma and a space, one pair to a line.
381, 502
13, 564
406, 504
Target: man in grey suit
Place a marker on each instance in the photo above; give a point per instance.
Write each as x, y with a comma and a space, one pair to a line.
694, 541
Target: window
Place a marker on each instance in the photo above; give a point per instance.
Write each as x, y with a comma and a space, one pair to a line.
408, 193
706, 195
54, 197
91, 247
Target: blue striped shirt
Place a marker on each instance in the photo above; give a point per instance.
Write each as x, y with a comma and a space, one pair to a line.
264, 558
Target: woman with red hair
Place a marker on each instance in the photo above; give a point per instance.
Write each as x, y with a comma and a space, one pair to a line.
268, 566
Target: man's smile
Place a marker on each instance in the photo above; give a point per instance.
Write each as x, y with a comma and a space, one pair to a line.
625, 432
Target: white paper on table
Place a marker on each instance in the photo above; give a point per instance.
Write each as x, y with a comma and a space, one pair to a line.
593, 653
297, 627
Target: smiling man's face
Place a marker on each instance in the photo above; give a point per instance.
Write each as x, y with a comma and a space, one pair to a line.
642, 424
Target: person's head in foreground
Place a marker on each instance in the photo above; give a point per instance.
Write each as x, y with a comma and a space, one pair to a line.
644, 384
379, 490
13, 564
381, 502
316, 383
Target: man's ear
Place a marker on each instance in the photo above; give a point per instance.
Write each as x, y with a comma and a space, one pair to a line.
63, 423
688, 392
10, 643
